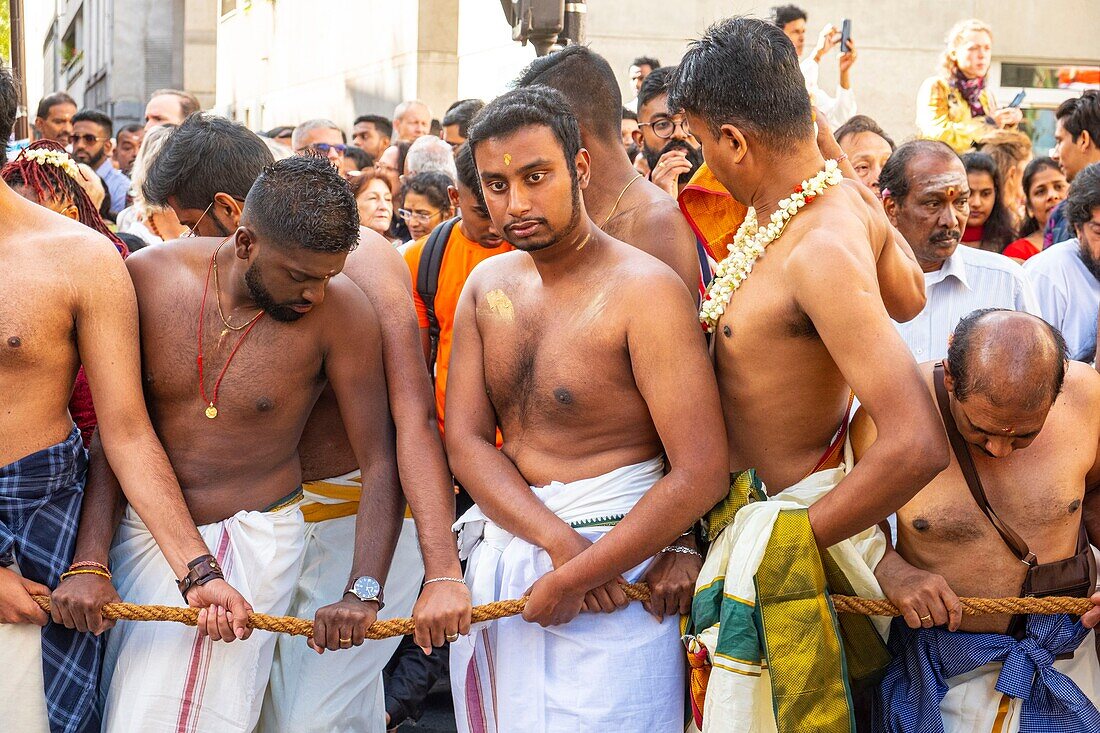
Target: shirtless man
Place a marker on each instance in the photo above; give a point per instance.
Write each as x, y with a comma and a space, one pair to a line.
585, 351
809, 326
1030, 421
276, 322
204, 173
621, 202
67, 301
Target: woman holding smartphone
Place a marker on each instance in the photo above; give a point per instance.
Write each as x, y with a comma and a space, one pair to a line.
956, 106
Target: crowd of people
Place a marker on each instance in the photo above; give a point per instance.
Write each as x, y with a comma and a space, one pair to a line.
413, 365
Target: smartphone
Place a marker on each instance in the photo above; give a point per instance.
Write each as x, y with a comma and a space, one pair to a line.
1018, 99
845, 35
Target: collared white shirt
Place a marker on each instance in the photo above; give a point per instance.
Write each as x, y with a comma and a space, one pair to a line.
1068, 295
838, 109
969, 279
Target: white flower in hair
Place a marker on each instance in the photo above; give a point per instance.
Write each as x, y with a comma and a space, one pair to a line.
57, 158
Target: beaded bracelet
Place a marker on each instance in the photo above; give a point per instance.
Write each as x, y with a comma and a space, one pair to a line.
86, 571
449, 580
683, 551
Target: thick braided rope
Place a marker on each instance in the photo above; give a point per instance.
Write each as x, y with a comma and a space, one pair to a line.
636, 592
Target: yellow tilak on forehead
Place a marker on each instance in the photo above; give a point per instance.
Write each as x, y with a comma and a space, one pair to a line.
507, 159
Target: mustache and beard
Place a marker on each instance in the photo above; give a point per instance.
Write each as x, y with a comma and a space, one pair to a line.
281, 312
554, 235
694, 156
1092, 264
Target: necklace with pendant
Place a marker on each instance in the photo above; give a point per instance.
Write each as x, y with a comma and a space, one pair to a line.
211, 410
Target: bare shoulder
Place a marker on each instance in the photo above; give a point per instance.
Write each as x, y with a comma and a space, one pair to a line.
375, 260
835, 236
1081, 389
345, 304
493, 271
644, 281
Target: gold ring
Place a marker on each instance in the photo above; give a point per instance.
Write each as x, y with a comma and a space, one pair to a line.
451, 638
926, 618
345, 641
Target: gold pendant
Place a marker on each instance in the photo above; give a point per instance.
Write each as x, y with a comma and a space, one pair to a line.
211, 411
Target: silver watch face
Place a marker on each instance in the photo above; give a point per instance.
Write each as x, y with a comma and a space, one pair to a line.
366, 588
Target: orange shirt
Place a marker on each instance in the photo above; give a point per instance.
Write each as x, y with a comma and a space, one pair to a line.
459, 259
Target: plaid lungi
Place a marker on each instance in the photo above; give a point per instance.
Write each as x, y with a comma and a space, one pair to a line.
40, 497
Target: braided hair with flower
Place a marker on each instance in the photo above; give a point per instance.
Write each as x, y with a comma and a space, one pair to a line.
51, 173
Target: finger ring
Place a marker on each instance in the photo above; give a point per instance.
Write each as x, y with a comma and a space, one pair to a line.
926, 618
345, 641
451, 638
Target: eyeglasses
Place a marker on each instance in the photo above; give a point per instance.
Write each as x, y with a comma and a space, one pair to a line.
665, 127
88, 139
324, 148
418, 216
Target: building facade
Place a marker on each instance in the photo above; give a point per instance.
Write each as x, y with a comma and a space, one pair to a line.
284, 61
111, 54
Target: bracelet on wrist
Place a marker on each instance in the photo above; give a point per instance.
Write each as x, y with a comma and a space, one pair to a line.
682, 551
89, 564
87, 571
462, 581
200, 571
842, 156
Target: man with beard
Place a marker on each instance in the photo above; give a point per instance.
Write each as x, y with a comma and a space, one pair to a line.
669, 147
204, 174
275, 322
92, 145
1066, 276
372, 133
617, 198
586, 352
1076, 145
925, 194
811, 327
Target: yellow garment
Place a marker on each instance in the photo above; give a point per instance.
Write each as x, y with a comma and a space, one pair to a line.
711, 211
944, 114
346, 496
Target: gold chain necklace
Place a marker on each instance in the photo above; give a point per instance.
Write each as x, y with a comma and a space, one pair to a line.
218, 297
623, 193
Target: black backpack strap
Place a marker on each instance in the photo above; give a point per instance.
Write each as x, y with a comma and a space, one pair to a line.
427, 282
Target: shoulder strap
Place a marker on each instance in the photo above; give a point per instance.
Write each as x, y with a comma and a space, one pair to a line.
970, 472
427, 281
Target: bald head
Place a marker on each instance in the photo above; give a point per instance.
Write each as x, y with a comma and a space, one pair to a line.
1010, 358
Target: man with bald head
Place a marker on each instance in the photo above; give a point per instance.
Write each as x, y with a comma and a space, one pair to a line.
1028, 422
411, 120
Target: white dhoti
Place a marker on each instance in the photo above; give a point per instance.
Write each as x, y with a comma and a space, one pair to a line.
165, 677
22, 704
739, 691
623, 671
338, 692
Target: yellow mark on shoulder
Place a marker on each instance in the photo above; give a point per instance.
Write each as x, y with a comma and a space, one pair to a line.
507, 159
500, 305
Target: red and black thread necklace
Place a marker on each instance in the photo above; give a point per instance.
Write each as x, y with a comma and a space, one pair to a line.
211, 403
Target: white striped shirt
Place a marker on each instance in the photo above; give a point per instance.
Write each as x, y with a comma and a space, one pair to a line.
969, 279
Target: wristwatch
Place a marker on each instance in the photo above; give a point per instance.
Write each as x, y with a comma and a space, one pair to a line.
366, 588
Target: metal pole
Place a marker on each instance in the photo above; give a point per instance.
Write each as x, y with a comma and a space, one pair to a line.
19, 67
575, 22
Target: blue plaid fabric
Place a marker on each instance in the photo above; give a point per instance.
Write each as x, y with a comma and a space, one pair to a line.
40, 497
908, 699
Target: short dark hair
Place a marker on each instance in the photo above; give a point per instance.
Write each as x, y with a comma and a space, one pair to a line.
1030, 225
997, 232
968, 338
526, 106
649, 61
9, 103
189, 103
360, 157
52, 100
629, 114
744, 71
859, 124
462, 113
784, 14
303, 200
587, 84
130, 128
893, 181
467, 172
275, 132
381, 124
204, 156
656, 84
92, 115
1080, 114
1084, 195
432, 185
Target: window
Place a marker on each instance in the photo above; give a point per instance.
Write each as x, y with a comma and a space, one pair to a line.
1047, 85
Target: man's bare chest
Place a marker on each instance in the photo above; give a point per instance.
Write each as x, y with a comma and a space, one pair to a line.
37, 324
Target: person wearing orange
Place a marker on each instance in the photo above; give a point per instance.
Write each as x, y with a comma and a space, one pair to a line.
472, 239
